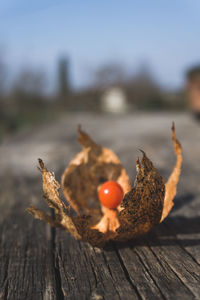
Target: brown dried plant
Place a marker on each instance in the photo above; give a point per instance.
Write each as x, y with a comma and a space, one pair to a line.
145, 205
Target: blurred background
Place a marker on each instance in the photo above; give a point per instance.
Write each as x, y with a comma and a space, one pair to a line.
117, 57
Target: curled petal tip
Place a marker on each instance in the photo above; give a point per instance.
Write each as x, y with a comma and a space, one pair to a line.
144, 154
173, 126
41, 163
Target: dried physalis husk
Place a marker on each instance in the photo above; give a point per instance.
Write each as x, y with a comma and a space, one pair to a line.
145, 205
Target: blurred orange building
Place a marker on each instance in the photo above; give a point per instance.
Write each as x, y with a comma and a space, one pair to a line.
193, 89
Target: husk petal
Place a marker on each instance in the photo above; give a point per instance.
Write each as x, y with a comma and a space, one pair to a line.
171, 184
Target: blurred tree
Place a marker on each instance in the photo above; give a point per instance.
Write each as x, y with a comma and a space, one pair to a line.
3, 87
3, 75
144, 92
27, 97
109, 74
63, 79
30, 84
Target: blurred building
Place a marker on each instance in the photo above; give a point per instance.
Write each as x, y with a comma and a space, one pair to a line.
193, 89
114, 100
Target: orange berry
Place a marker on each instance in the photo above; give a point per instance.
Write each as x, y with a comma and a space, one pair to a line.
111, 194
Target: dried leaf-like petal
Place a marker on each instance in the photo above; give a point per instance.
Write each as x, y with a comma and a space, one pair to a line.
38, 214
87, 171
143, 205
51, 195
171, 184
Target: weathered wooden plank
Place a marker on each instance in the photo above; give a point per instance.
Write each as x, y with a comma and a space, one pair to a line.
156, 279
90, 273
42, 263
26, 258
180, 262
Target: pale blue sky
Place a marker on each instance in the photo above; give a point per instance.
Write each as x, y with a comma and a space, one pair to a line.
164, 33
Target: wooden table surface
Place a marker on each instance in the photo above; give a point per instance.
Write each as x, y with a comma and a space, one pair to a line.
39, 262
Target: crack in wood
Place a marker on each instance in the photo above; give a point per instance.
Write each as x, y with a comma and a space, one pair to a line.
174, 272
110, 272
126, 272
150, 275
59, 292
107, 264
5, 281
